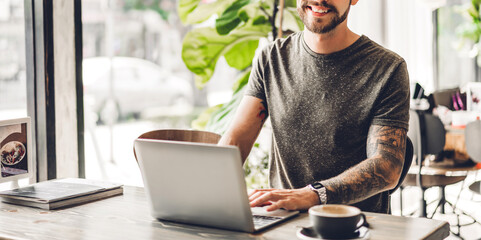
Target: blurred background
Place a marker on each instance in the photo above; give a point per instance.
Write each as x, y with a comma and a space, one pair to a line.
135, 79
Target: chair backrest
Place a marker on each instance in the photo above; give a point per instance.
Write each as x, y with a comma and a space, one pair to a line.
473, 140
414, 133
408, 159
444, 97
434, 134
181, 135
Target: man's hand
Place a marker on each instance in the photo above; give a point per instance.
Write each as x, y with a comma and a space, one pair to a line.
289, 199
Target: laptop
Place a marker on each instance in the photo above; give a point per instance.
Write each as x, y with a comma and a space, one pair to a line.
201, 184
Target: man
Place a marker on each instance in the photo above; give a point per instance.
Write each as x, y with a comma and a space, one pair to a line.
339, 108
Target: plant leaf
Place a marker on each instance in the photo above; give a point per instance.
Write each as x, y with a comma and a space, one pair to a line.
290, 3
292, 21
185, 7
220, 119
202, 47
207, 120
242, 81
229, 18
240, 56
201, 121
204, 11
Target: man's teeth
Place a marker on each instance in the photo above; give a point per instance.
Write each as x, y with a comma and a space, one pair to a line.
318, 10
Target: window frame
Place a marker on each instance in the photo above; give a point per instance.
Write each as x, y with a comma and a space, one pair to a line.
40, 34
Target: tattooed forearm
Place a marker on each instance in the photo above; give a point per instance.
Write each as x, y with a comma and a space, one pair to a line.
379, 172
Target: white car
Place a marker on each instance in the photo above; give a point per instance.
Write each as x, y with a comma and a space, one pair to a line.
136, 86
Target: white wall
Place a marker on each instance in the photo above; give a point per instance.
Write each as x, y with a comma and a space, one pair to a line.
403, 26
366, 18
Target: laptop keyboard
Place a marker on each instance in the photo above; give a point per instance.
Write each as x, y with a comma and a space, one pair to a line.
261, 221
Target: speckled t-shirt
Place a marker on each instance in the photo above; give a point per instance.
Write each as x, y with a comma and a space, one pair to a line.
321, 107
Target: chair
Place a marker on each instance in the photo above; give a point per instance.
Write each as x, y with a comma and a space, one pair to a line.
181, 135
408, 159
428, 134
473, 148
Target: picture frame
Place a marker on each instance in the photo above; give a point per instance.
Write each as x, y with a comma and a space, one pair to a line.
16, 161
473, 96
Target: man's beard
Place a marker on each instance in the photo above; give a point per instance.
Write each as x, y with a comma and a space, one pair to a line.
317, 26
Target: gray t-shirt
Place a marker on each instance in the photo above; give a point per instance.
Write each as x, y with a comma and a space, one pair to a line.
321, 107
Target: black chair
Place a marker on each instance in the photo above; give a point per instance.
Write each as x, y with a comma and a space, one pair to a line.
429, 136
408, 159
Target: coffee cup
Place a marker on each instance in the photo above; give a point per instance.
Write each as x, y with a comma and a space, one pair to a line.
334, 220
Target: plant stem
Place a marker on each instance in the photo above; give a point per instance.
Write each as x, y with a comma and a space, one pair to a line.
281, 16
273, 20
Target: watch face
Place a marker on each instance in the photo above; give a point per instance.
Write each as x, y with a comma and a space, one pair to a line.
316, 185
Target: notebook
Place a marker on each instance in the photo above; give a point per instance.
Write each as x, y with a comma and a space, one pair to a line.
201, 184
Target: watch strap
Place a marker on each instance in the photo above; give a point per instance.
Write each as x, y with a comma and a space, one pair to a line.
320, 190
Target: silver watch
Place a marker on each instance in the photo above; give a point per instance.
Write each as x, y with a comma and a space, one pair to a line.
320, 190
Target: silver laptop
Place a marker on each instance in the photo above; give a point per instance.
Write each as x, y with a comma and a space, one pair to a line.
200, 184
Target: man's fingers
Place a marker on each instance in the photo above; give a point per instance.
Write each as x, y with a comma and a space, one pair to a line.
265, 197
259, 191
255, 195
285, 204
289, 199
272, 207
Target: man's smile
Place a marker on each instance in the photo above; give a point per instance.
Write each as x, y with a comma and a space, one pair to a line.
318, 10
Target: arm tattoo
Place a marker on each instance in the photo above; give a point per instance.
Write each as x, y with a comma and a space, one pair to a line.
263, 113
385, 157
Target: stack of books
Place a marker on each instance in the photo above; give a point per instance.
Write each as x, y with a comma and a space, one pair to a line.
61, 193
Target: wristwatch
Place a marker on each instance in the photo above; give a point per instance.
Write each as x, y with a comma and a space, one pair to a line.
320, 190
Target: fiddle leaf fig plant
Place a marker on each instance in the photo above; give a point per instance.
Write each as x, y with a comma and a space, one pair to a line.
235, 35
239, 24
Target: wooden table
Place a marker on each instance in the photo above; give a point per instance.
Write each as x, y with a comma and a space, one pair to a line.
128, 217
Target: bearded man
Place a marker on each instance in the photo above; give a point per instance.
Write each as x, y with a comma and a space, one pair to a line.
339, 107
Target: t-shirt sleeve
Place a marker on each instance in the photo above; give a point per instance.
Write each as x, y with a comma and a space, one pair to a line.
392, 106
256, 86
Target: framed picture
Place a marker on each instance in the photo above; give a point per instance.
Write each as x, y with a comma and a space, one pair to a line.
15, 147
473, 96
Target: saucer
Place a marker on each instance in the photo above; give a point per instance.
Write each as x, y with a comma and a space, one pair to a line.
308, 233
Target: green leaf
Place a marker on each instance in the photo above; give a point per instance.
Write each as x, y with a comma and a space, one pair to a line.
202, 47
204, 11
229, 18
220, 119
253, 11
469, 31
259, 20
242, 81
200, 122
240, 56
185, 7
292, 21
217, 118
290, 3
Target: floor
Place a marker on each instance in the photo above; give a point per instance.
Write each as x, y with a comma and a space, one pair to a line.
468, 202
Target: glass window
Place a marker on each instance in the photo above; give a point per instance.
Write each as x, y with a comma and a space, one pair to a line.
135, 81
13, 90
455, 66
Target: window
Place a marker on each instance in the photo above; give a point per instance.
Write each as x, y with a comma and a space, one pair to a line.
13, 90
135, 81
455, 66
